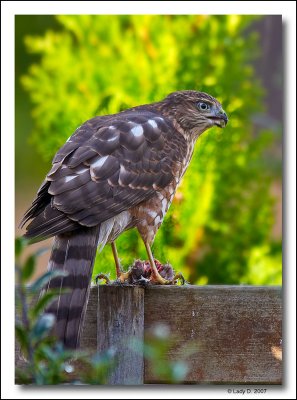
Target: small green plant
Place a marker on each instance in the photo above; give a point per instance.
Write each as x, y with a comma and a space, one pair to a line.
47, 361
157, 345
165, 354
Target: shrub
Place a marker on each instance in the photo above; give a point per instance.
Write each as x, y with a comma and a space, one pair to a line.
95, 65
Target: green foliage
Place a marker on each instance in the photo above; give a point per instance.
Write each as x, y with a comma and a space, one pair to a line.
223, 211
157, 347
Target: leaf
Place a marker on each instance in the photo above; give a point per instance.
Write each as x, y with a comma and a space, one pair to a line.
28, 268
43, 325
20, 244
104, 357
45, 278
22, 336
23, 376
179, 371
48, 353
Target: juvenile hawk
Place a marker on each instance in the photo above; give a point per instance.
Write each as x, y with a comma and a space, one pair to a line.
115, 172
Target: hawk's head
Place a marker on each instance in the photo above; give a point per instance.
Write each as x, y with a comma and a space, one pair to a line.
196, 111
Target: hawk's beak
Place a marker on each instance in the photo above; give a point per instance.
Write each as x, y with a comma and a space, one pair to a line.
219, 118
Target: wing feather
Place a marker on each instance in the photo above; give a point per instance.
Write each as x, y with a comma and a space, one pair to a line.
111, 164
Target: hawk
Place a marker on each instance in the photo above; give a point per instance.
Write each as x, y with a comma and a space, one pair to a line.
116, 172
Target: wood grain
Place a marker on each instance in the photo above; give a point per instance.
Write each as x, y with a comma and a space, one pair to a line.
226, 334
121, 325
233, 331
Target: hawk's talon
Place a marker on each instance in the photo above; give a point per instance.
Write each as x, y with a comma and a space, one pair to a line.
123, 276
102, 276
157, 278
154, 279
179, 276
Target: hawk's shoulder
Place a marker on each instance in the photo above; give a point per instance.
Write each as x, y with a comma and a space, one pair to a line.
128, 129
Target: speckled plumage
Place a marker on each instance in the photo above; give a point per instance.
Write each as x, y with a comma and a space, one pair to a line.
116, 172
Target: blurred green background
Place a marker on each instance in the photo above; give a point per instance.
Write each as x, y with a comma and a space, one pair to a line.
224, 225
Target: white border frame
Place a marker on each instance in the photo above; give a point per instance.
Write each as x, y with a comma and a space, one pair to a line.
11, 8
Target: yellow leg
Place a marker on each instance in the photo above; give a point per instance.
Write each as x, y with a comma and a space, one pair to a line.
116, 259
122, 276
155, 272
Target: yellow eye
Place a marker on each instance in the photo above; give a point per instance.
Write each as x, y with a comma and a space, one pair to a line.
203, 106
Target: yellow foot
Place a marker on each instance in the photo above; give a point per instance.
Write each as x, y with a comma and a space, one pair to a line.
158, 279
102, 276
123, 276
180, 277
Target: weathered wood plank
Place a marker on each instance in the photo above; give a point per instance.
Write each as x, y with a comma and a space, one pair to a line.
235, 331
120, 322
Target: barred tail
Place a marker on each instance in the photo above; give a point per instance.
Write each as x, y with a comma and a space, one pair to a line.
74, 253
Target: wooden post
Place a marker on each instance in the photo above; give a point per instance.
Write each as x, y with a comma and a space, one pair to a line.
121, 326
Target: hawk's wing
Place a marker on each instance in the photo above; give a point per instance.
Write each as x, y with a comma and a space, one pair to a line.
108, 165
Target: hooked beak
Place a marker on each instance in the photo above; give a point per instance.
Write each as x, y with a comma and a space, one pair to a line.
219, 118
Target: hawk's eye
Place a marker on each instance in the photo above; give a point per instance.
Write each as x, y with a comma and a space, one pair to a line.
203, 106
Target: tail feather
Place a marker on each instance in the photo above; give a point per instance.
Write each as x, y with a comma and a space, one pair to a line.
74, 253
48, 223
